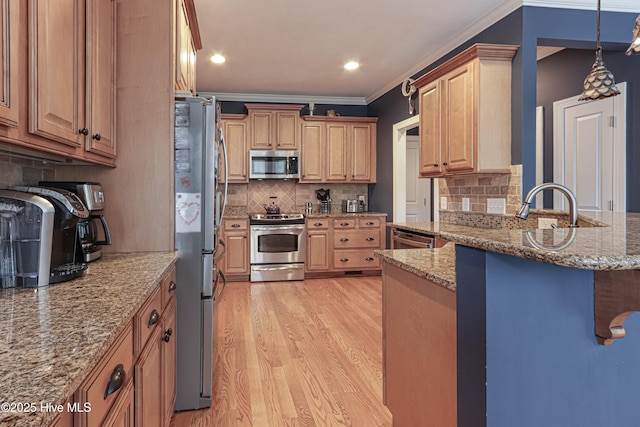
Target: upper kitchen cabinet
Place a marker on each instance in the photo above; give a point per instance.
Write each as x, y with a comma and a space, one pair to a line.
72, 76
187, 44
234, 128
338, 149
9, 17
274, 126
465, 113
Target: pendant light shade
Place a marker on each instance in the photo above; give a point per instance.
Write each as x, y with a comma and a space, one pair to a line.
600, 82
634, 48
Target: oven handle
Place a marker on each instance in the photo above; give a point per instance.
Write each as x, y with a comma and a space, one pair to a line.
285, 267
279, 228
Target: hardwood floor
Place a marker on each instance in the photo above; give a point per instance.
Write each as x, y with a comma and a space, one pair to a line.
297, 354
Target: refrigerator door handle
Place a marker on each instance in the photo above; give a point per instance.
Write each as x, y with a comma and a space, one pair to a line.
209, 153
226, 177
207, 275
217, 256
206, 352
224, 285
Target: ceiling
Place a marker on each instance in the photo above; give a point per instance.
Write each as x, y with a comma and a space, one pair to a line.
297, 48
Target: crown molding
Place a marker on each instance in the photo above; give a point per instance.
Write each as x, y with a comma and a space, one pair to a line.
286, 99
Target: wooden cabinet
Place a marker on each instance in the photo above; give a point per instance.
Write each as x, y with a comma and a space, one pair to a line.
187, 44
9, 24
338, 149
318, 245
72, 76
419, 350
169, 360
274, 126
465, 113
149, 383
234, 128
235, 263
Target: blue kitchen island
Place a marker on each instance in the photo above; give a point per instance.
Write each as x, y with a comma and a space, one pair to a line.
545, 331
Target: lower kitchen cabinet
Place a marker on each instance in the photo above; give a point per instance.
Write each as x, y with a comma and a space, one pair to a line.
419, 350
149, 383
318, 246
235, 263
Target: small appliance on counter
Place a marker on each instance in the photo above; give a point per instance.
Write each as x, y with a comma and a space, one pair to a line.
352, 205
26, 232
325, 200
69, 209
91, 194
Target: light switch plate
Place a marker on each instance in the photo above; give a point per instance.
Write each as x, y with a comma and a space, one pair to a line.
443, 203
547, 222
497, 206
465, 204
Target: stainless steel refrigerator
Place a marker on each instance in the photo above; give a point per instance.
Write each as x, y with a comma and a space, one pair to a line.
199, 208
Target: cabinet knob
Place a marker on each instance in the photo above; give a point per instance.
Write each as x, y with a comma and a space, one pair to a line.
370, 239
153, 319
435, 165
445, 163
116, 380
344, 259
167, 335
97, 137
172, 286
83, 131
344, 239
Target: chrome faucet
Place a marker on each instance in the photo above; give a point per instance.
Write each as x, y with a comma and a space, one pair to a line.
523, 212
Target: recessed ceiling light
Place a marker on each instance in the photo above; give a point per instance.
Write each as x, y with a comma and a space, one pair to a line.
351, 65
217, 59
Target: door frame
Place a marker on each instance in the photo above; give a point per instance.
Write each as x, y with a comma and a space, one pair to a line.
399, 178
619, 147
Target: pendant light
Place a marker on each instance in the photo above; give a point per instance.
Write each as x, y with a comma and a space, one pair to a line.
634, 48
600, 82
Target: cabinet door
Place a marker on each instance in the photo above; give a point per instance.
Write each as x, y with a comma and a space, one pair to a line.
169, 361
261, 128
361, 150
237, 256
56, 73
336, 152
312, 152
458, 122
183, 41
287, 130
9, 15
122, 413
148, 379
317, 251
101, 77
430, 136
235, 135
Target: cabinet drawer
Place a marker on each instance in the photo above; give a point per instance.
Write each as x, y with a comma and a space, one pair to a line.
147, 319
368, 222
235, 224
343, 223
359, 259
317, 224
356, 239
168, 287
116, 367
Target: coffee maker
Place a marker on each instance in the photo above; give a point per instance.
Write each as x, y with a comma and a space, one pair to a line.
91, 194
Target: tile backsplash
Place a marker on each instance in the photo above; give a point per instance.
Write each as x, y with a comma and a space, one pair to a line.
480, 187
289, 195
21, 171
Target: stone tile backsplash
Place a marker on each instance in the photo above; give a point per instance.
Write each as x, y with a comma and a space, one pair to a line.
20, 171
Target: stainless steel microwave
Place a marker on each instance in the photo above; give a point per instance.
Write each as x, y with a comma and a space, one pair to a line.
274, 164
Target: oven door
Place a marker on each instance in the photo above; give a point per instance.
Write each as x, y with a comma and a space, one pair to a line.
277, 244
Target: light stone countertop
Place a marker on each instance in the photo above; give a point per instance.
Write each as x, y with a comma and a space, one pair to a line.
615, 246
51, 337
343, 214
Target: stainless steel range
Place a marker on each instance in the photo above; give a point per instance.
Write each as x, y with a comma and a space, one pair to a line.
277, 247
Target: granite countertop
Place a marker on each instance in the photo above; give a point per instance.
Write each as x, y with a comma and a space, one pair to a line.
343, 214
51, 337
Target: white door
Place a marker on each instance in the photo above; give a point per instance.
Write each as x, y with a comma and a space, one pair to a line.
418, 190
589, 155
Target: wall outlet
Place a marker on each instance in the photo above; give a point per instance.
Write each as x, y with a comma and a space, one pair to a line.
465, 204
361, 198
443, 203
547, 222
497, 206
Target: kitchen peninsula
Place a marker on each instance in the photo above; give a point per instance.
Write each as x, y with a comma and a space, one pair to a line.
511, 323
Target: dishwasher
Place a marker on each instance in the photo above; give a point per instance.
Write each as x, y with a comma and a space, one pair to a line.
407, 239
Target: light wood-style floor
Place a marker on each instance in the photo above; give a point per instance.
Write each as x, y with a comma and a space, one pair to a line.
297, 354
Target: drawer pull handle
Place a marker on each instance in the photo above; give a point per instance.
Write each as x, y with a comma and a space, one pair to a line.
317, 224
368, 259
235, 225
344, 224
344, 259
172, 286
370, 239
369, 223
116, 380
167, 335
153, 319
344, 239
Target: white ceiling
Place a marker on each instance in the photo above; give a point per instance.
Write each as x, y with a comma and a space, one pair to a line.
298, 48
